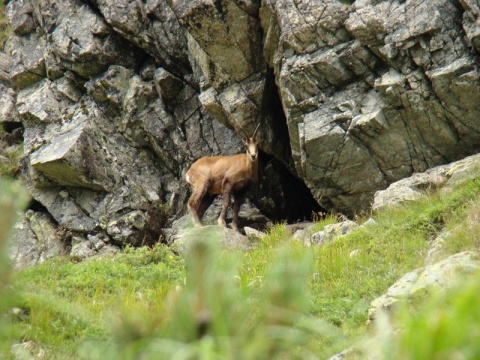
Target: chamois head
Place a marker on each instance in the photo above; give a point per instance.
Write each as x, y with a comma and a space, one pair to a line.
251, 143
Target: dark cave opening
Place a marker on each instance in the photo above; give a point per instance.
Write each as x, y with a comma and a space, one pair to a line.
293, 200
36, 206
273, 117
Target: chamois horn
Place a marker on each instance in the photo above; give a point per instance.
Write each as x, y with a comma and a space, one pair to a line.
245, 133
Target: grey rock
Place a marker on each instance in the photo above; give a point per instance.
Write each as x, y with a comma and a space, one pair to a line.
38, 104
225, 43
69, 160
252, 233
445, 273
302, 232
167, 84
84, 43
439, 178
367, 108
93, 247
470, 23
36, 239
333, 231
439, 276
151, 26
228, 238
81, 248
436, 252
64, 209
8, 111
27, 350
223, 39
354, 253
301, 235
27, 62
369, 222
5, 69
249, 215
20, 15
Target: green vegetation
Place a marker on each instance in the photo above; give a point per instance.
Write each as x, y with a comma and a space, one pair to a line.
4, 26
281, 300
444, 327
9, 155
13, 198
10, 151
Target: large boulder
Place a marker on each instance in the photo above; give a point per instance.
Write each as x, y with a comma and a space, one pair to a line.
373, 91
36, 240
439, 178
417, 284
152, 27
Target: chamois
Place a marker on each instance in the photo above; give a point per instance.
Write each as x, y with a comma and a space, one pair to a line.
223, 175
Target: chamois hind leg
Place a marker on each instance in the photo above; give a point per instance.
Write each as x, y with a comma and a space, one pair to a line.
227, 188
205, 204
195, 204
238, 200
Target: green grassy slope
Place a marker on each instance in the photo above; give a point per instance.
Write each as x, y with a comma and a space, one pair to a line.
299, 301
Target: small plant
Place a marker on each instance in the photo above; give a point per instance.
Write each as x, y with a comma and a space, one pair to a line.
4, 26
10, 153
323, 220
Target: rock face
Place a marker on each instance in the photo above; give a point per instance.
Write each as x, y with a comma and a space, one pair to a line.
418, 283
439, 178
373, 91
118, 98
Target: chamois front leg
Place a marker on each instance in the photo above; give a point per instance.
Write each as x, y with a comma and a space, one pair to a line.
227, 188
237, 202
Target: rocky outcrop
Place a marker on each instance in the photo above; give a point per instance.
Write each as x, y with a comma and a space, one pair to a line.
417, 284
328, 234
439, 178
373, 91
118, 98
228, 238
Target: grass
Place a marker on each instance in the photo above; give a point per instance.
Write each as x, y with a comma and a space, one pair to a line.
146, 299
445, 326
5, 30
69, 303
9, 155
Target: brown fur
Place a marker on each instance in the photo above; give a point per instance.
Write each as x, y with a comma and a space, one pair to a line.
223, 175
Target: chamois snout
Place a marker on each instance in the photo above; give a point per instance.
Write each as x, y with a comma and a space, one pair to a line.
251, 144
252, 151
